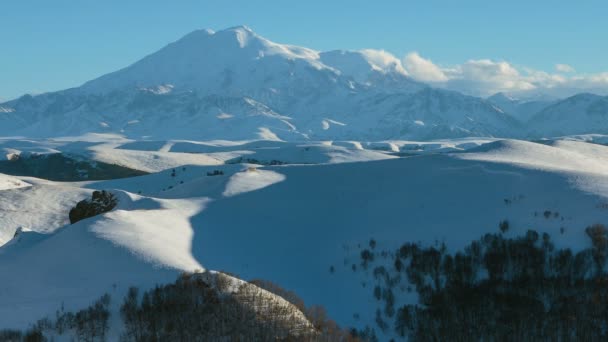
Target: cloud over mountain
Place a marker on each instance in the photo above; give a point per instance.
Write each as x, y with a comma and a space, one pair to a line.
483, 77
423, 69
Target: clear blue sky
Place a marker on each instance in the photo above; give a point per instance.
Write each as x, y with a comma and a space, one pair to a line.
54, 44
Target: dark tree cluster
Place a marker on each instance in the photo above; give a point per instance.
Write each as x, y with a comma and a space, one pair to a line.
192, 310
90, 324
240, 160
328, 329
64, 168
520, 289
87, 325
367, 256
32, 335
198, 308
101, 202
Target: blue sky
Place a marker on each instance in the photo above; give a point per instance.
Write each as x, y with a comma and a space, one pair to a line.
51, 45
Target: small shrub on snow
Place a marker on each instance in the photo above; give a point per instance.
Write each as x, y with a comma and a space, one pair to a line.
504, 226
215, 173
101, 202
366, 257
372, 243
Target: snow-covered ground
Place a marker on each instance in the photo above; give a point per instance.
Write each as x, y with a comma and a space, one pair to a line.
227, 206
7, 182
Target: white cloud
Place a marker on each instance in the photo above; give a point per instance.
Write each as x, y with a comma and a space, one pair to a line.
564, 68
484, 77
423, 69
383, 61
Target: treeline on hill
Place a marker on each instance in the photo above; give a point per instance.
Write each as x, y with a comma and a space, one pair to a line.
498, 288
194, 309
90, 324
328, 329
64, 168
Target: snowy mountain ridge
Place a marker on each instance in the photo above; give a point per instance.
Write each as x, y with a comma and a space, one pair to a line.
234, 84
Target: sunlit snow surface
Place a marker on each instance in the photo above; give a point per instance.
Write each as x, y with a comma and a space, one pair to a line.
8, 182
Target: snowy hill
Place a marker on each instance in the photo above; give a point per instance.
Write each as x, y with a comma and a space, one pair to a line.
234, 85
447, 198
142, 243
300, 226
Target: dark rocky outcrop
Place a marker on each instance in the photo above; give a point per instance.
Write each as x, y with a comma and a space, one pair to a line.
101, 202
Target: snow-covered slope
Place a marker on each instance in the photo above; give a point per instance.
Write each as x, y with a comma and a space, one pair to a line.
432, 113
522, 110
234, 85
215, 62
372, 68
8, 182
143, 242
579, 114
40, 207
292, 224
319, 216
80, 262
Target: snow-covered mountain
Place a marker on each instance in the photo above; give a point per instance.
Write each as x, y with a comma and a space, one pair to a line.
578, 114
235, 84
521, 109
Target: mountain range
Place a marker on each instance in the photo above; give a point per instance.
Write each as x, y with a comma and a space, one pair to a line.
234, 84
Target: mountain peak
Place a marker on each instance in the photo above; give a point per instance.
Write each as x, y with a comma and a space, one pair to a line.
243, 35
239, 28
501, 96
234, 60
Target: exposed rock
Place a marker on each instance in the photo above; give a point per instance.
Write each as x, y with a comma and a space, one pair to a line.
101, 202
